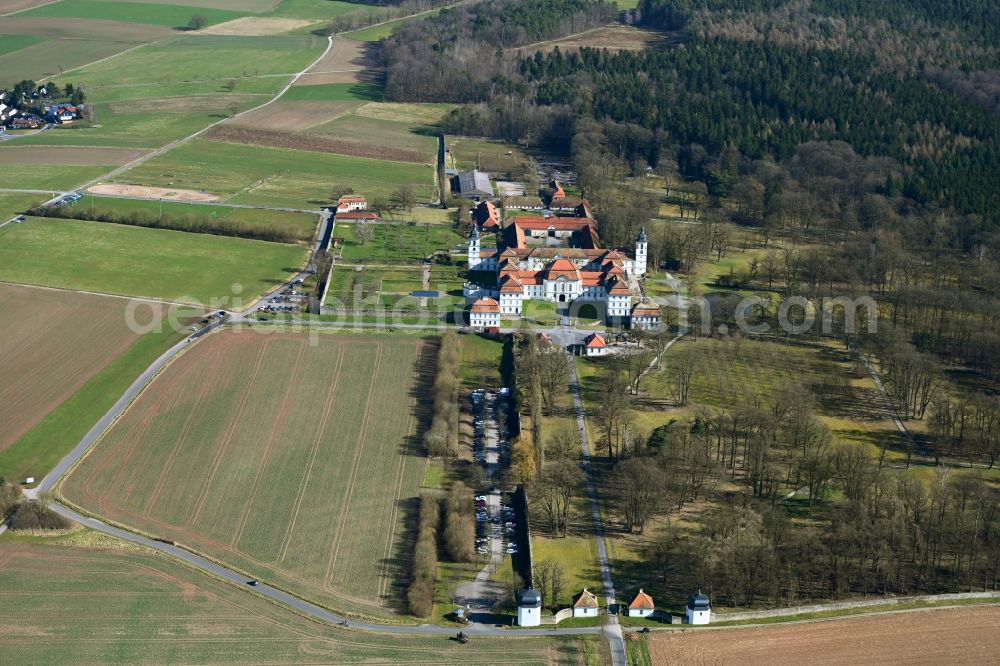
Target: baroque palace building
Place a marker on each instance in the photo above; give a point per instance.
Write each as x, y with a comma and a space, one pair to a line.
559, 259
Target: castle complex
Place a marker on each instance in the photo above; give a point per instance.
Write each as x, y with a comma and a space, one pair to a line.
559, 259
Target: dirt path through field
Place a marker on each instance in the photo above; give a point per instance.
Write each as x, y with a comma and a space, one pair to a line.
939, 636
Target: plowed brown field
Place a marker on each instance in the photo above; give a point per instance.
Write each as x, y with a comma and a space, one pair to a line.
51, 343
943, 636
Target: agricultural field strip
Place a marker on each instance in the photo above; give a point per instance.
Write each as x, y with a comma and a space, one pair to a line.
53, 572
97, 496
177, 142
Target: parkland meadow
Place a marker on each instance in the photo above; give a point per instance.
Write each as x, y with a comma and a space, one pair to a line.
155, 610
284, 465
152, 263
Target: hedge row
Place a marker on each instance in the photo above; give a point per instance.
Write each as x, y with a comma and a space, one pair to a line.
198, 224
441, 439
423, 571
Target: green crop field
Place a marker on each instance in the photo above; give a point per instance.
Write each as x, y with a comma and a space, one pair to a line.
200, 65
11, 43
36, 61
48, 176
148, 123
316, 9
18, 203
357, 124
255, 175
282, 465
335, 92
303, 224
397, 242
378, 32
171, 16
87, 598
132, 261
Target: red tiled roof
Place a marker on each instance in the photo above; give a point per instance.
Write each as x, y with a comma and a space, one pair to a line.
617, 287
510, 284
486, 305
595, 341
351, 199
642, 601
563, 268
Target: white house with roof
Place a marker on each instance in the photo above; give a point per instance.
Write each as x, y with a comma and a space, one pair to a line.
351, 203
484, 313
646, 315
595, 345
585, 604
641, 605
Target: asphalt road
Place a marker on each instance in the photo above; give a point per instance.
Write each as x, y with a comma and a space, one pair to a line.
309, 609
612, 630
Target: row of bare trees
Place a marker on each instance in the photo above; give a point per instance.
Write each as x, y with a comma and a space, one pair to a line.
441, 439
424, 563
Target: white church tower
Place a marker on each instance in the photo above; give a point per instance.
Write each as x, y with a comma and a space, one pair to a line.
474, 259
641, 245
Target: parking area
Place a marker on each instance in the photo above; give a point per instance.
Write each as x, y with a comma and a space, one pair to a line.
496, 525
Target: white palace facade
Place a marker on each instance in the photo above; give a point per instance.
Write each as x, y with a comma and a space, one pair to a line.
577, 271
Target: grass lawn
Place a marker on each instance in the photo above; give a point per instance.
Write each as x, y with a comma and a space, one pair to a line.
302, 224
275, 176
379, 32
466, 152
154, 609
355, 289
540, 312
396, 242
577, 555
335, 92
171, 16
480, 361
132, 261
336, 480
